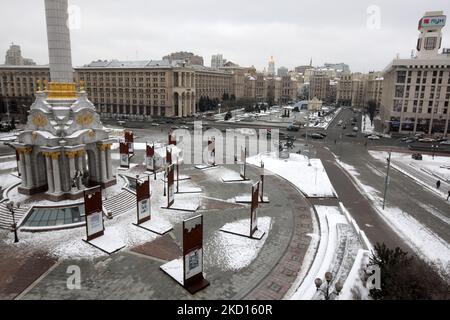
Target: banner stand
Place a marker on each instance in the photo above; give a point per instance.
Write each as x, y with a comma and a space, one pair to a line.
188, 270
248, 198
242, 170
189, 207
249, 230
211, 156
143, 210
96, 235
179, 178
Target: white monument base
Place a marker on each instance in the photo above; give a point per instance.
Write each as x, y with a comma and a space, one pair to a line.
248, 199
107, 243
243, 230
187, 206
174, 269
189, 190
206, 166
234, 178
157, 226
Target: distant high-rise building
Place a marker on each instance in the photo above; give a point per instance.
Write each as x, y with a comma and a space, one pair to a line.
282, 71
14, 57
271, 70
217, 61
189, 57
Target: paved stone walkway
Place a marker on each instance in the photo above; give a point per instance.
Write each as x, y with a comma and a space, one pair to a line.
135, 274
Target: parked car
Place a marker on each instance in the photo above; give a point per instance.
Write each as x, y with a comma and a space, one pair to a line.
323, 134
351, 134
446, 142
355, 129
373, 137
340, 122
416, 156
427, 140
410, 140
317, 136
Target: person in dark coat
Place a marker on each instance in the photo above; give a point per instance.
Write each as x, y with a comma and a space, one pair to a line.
448, 195
438, 184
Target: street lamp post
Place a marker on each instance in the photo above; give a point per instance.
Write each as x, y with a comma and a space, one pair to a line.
325, 287
10, 206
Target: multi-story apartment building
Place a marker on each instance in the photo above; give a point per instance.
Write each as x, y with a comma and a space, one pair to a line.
217, 61
374, 88
289, 89
260, 88
357, 89
140, 88
416, 91
319, 85
212, 83
17, 87
14, 57
344, 92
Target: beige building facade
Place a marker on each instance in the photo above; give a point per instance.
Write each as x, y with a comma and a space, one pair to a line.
416, 91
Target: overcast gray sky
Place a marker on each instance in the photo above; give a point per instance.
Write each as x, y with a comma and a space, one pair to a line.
246, 32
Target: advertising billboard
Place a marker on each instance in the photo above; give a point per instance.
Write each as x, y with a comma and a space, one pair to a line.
170, 186
254, 209
143, 200
150, 157
93, 213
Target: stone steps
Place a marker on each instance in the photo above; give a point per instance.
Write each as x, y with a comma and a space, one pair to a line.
6, 219
121, 203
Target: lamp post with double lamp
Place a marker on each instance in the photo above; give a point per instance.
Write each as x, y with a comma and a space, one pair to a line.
435, 148
10, 207
325, 288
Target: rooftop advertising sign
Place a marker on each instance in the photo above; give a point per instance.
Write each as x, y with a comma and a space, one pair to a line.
438, 21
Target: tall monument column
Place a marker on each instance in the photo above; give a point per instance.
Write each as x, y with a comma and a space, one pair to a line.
58, 35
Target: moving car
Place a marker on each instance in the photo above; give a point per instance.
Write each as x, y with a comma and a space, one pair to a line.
416, 156
373, 137
355, 129
446, 142
351, 134
292, 128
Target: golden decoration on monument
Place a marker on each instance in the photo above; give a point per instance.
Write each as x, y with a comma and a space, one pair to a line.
85, 119
39, 120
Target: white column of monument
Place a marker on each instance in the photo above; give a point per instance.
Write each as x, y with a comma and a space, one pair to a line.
102, 164
30, 180
108, 163
58, 35
56, 173
48, 166
22, 169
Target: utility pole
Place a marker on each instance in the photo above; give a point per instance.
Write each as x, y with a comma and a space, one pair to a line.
386, 181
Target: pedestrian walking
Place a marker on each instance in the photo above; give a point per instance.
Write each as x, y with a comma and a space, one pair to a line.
448, 195
438, 184
335, 141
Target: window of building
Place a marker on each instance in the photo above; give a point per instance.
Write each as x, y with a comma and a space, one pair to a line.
401, 76
430, 43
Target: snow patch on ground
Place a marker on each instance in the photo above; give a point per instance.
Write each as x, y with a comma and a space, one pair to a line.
237, 252
311, 180
425, 241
